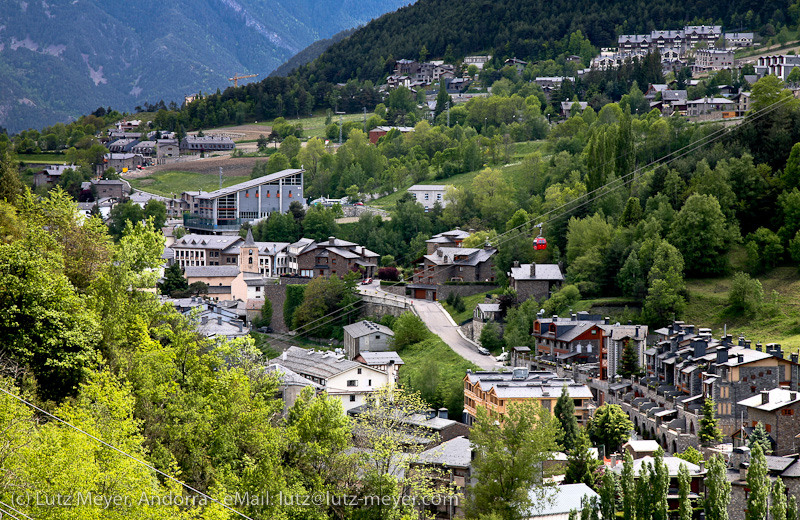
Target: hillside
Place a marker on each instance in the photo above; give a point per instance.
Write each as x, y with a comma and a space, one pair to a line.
527, 29
123, 54
310, 53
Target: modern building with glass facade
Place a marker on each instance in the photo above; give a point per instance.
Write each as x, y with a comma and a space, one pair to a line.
227, 209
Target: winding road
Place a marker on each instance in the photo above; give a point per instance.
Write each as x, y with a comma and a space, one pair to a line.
440, 323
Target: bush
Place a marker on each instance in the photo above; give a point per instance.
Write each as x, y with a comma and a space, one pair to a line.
389, 273
294, 297
491, 339
408, 329
746, 296
265, 320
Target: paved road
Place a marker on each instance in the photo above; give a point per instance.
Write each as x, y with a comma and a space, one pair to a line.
439, 322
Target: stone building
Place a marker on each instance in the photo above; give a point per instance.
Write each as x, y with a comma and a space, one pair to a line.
779, 411
538, 281
366, 335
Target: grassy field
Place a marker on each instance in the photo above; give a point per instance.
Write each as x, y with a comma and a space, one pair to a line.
174, 183
435, 371
513, 171
42, 158
778, 321
469, 305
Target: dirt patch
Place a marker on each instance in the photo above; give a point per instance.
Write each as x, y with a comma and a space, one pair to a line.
246, 132
231, 167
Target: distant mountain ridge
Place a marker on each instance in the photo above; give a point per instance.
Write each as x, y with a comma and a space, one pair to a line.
67, 57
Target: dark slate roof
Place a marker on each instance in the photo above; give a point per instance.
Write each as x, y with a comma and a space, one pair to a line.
540, 272
211, 271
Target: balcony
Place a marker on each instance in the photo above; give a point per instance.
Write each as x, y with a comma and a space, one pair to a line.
209, 224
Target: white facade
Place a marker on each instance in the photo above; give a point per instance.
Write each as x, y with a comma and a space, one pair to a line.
353, 385
428, 195
777, 65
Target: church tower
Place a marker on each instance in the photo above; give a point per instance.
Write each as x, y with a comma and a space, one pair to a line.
248, 255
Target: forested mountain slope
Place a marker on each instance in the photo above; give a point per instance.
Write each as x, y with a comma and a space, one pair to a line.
536, 29
65, 58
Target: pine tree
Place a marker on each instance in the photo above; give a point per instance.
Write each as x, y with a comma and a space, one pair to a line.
760, 437
627, 483
630, 360
684, 488
564, 411
718, 489
778, 500
758, 482
709, 426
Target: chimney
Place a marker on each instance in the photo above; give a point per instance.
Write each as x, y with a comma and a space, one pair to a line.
443, 413
759, 347
516, 263
740, 358
204, 320
219, 320
764, 396
283, 356
792, 396
741, 341
637, 332
794, 357
699, 347
239, 324
702, 466
606, 320
614, 460
722, 354
574, 317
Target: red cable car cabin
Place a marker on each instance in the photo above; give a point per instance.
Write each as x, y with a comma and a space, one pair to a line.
539, 243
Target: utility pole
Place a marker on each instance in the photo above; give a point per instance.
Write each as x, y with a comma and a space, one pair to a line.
448, 113
220, 177
340, 130
365, 120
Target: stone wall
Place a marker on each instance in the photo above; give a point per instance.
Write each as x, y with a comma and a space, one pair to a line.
464, 290
277, 295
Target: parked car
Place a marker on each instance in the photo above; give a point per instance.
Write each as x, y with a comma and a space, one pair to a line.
502, 357
483, 351
366, 281
358, 204
265, 330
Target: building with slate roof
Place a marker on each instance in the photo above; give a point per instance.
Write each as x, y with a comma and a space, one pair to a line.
347, 380
461, 264
565, 498
388, 361
51, 174
452, 238
309, 259
192, 144
778, 410
428, 195
366, 335
497, 390
226, 209
538, 281
290, 384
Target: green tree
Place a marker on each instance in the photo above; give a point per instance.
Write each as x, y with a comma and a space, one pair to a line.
265, 318
442, 99
759, 484
794, 76
408, 330
764, 250
581, 464
290, 147
564, 411
121, 214
684, 489
779, 503
630, 360
319, 223
659, 483
10, 183
644, 492
760, 437
632, 213
701, 235
493, 194
609, 490
156, 210
322, 297
508, 460
791, 174
746, 295
791, 509
718, 489
610, 427
690, 455
490, 337
173, 280
628, 486
709, 425
294, 297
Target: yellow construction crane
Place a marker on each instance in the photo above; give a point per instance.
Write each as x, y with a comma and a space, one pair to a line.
237, 77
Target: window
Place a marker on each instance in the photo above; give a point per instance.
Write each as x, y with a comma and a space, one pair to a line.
369, 383
787, 411
352, 399
359, 371
377, 336
352, 382
768, 427
426, 196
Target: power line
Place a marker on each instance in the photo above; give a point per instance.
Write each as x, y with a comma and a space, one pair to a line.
128, 455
